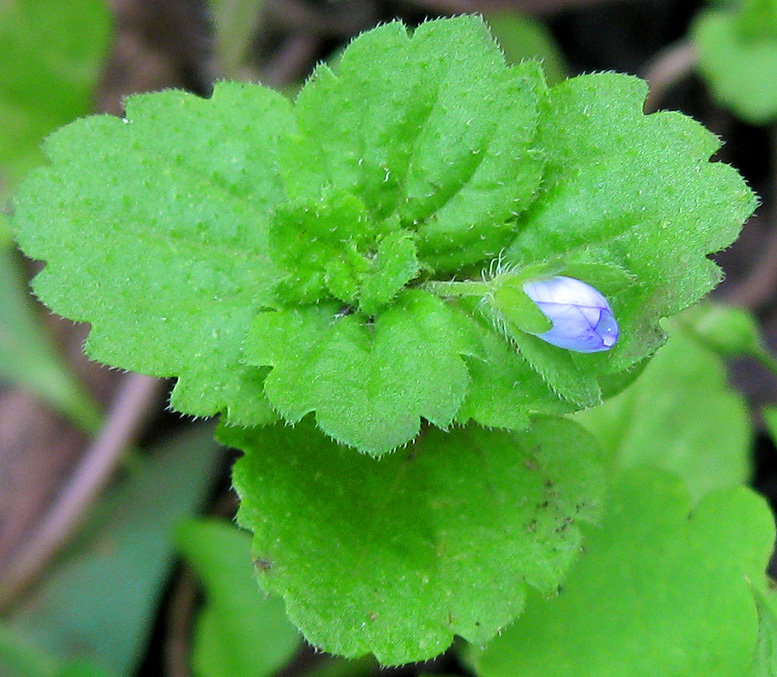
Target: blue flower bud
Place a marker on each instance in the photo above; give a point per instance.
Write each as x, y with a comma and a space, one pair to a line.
582, 318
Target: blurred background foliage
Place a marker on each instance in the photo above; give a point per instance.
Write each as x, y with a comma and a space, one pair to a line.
105, 568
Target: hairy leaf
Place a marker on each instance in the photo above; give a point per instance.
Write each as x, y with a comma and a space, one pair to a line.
244, 244
167, 213
634, 191
395, 556
368, 384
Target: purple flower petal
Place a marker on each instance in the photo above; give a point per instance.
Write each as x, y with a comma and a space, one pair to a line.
582, 319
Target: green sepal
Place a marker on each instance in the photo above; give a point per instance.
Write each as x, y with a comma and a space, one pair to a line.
515, 310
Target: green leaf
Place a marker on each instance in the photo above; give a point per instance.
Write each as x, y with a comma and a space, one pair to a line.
738, 57
433, 129
369, 383
52, 54
28, 359
395, 556
100, 601
633, 191
173, 234
660, 590
239, 632
414, 163
679, 415
395, 265
765, 659
505, 389
317, 244
728, 330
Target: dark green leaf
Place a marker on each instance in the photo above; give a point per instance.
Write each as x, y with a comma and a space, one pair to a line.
240, 631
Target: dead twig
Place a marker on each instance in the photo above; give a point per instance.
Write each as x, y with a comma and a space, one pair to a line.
666, 69
128, 411
760, 286
535, 7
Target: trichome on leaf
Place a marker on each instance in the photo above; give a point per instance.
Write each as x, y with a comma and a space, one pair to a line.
216, 240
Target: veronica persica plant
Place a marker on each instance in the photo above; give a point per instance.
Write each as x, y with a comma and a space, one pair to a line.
374, 263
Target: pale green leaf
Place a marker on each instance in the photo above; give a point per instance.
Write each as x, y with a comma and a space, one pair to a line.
52, 53
738, 59
661, 590
239, 631
680, 415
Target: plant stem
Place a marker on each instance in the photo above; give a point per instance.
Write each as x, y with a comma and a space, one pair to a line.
458, 289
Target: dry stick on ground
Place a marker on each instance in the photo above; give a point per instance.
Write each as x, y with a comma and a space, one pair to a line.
135, 397
759, 287
666, 69
535, 7
179, 622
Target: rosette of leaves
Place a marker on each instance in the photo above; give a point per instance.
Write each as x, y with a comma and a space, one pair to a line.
737, 45
285, 258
